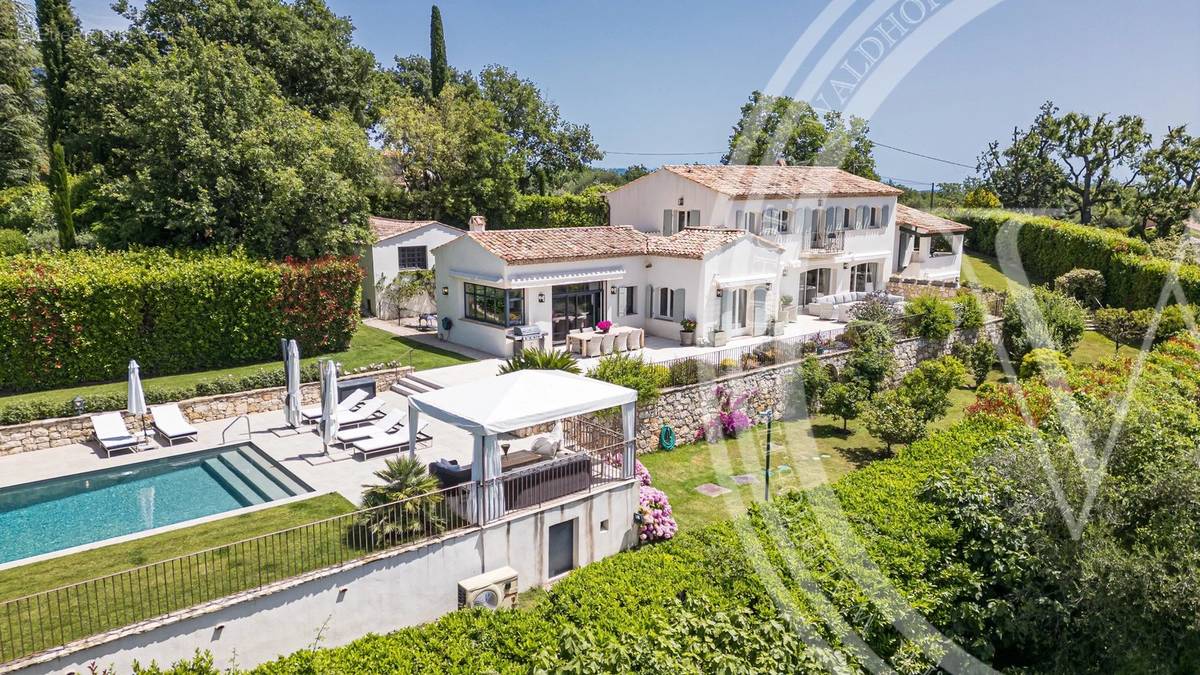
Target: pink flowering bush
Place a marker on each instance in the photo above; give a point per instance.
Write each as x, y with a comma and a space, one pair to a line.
730, 419
658, 523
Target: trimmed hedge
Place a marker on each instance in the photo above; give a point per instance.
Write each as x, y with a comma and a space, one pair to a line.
1050, 248
545, 211
80, 317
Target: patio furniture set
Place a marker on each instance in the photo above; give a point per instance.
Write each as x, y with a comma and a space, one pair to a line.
169, 423
838, 307
366, 427
591, 342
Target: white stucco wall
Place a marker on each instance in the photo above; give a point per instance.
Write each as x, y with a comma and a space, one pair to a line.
393, 592
640, 203
381, 262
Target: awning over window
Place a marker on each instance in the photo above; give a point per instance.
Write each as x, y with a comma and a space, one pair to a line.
569, 276
477, 276
745, 280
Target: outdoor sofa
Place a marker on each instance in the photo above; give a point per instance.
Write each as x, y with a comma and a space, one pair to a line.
837, 306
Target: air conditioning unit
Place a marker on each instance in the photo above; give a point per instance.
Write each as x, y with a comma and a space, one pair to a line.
491, 590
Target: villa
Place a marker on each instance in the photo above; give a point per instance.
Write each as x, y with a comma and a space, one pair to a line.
741, 250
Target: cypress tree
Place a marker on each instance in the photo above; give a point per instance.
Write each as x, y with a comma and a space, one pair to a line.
439, 68
20, 126
59, 183
57, 26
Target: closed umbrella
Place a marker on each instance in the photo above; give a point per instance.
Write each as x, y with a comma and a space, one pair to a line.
329, 403
135, 397
291, 369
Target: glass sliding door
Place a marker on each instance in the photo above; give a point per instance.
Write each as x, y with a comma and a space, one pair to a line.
815, 284
575, 307
862, 277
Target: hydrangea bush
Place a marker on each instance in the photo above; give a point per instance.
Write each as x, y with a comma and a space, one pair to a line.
658, 523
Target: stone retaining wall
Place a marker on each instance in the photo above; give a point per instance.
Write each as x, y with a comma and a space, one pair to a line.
911, 288
686, 408
52, 433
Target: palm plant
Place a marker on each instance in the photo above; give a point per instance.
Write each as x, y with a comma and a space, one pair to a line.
541, 359
408, 506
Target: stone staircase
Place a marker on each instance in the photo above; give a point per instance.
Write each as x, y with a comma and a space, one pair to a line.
413, 384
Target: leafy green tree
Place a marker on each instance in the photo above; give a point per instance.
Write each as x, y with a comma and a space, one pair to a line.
196, 147
450, 157
929, 317
21, 132
810, 383
439, 66
892, 417
647, 379
543, 143
929, 385
1086, 286
1092, 150
1041, 318
59, 181
773, 128
968, 311
12, 242
1025, 174
307, 49
1170, 187
845, 400
978, 357
872, 360
981, 198
413, 75
58, 28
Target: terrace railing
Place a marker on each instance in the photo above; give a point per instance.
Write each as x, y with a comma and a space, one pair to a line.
48, 619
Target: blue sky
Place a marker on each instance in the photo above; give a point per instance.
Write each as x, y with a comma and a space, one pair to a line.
670, 77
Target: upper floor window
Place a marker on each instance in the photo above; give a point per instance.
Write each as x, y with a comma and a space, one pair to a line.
413, 257
675, 220
776, 221
747, 220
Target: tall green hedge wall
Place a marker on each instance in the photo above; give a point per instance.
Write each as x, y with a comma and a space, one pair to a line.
80, 317
1052, 247
557, 211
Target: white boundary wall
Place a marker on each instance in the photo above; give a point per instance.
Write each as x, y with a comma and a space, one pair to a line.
401, 588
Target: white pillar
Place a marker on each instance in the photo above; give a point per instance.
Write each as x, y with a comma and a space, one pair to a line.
628, 426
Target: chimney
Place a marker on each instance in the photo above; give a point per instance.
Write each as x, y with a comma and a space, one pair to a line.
781, 162
477, 224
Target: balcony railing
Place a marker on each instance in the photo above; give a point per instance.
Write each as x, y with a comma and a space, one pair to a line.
824, 243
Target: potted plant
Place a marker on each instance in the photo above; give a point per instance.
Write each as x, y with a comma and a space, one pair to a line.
719, 338
603, 326
687, 332
786, 309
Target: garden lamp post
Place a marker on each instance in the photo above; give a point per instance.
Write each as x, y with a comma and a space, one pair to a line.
770, 415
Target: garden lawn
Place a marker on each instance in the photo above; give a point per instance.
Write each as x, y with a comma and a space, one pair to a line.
1094, 347
368, 346
216, 576
803, 455
985, 271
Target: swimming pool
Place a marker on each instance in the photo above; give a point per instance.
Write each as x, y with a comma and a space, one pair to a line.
60, 513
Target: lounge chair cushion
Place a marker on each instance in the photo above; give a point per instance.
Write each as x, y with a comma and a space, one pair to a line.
365, 412
111, 432
170, 422
354, 399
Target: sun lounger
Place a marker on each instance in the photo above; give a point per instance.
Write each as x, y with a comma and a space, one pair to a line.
386, 442
362, 414
170, 423
112, 434
313, 415
382, 426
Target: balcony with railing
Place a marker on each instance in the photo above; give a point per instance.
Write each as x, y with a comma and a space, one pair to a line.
823, 243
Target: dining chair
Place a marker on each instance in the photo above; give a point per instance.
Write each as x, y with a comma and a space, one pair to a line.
606, 343
621, 341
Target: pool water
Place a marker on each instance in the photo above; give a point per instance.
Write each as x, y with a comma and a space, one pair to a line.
60, 513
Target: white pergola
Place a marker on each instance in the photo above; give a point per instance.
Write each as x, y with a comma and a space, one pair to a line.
518, 400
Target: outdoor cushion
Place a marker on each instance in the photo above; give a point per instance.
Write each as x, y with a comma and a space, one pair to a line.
356, 397
170, 422
364, 413
111, 432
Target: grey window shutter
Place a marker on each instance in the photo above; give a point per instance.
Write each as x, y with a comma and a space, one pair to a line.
677, 305
785, 221
887, 212
694, 218
726, 309
649, 301
738, 219
831, 223
668, 216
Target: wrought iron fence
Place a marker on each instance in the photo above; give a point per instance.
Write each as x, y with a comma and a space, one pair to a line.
555, 478
48, 619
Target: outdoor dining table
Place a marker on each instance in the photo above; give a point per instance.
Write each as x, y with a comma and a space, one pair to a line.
578, 342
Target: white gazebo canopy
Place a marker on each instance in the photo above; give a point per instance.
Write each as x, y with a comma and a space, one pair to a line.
518, 400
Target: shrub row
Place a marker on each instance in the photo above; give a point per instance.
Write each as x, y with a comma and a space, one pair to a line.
557, 211
80, 317
29, 411
1050, 248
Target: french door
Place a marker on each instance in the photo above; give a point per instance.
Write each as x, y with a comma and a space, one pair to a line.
574, 307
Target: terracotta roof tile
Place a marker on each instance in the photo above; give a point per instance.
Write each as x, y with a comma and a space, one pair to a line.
561, 243
697, 242
389, 227
780, 182
926, 223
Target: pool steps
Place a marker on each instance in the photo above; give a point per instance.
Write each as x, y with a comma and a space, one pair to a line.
251, 478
